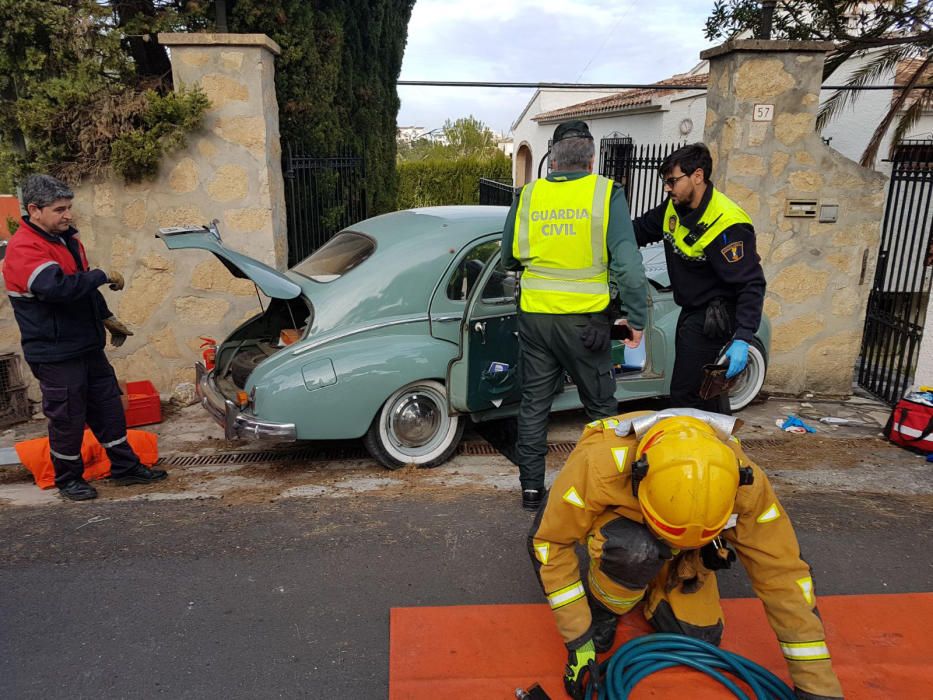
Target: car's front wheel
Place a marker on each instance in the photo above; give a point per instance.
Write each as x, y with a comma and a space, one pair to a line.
751, 380
413, 427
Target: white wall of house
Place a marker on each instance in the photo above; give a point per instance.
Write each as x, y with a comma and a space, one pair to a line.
534, 135
852, 129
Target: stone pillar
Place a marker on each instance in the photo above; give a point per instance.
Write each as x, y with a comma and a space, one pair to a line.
760, 126
240, 165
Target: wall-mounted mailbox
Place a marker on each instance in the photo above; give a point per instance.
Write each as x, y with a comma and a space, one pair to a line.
800, 207
829, 213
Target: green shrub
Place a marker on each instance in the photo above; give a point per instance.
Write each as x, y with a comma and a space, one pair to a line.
437, 182
163, 126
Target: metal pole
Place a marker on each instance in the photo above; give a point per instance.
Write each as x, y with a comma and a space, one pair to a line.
767, 12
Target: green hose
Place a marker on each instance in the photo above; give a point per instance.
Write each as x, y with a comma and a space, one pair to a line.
641, 657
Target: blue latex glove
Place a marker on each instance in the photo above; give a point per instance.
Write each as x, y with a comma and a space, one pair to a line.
737, 355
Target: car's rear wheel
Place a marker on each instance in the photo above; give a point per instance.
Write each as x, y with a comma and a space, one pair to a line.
751, 380
413, 427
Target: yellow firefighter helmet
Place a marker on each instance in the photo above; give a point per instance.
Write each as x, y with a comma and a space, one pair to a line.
688, 491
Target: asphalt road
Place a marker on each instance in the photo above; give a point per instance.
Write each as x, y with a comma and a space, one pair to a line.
200, 599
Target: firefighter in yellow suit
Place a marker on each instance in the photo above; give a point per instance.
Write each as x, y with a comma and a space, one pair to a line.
661, 500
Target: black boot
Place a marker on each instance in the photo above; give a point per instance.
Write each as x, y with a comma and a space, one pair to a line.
533, 498
77, 490
604, 626
139, 474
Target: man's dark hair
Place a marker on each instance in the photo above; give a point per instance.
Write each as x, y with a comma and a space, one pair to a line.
42, 190
689, 158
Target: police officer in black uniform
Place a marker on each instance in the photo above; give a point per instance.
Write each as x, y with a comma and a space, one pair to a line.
715, 272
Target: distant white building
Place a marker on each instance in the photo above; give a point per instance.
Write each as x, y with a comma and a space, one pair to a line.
408, 134
505, 144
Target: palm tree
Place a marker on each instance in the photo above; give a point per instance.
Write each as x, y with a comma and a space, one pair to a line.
896, 37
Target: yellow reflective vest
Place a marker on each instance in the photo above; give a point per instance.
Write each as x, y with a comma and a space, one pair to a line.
720, 214
560, 240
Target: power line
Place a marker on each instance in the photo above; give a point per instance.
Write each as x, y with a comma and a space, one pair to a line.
617, 86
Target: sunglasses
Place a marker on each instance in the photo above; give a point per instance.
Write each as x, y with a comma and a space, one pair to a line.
671, 181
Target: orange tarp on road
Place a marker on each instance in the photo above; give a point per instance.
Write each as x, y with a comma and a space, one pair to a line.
881, 647
34, 454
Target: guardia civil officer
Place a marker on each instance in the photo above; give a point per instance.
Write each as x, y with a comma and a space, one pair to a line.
62, 316
715, 272
567, 233
661, 501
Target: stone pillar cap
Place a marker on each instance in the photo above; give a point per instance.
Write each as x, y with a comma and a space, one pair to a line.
774, 46
211, 39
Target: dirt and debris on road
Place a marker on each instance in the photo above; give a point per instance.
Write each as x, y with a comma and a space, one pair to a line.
850, 457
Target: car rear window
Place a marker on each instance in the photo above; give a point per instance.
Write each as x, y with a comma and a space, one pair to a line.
337, 257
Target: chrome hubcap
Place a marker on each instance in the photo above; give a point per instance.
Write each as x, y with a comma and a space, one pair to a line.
415, 420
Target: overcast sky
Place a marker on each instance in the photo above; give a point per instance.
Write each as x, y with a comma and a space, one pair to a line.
585, 41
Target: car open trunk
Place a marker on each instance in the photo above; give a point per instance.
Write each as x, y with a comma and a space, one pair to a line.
283, 322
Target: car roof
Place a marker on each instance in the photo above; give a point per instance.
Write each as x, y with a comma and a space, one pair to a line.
449, 223
413, 248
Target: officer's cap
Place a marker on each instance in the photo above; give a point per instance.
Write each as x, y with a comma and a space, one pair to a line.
572, 130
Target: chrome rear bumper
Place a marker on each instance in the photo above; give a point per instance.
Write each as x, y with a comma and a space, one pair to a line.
236, 424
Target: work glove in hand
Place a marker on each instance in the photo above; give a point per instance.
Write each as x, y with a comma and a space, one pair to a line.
595, 336
804, 695
737, 355
717, 323
116, 281
118, 331
580, 661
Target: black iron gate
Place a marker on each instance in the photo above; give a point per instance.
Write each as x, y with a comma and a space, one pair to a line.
322, 196
496, 192
898, 299
636, 169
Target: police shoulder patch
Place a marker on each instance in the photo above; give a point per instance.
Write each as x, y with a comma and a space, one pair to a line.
734, 252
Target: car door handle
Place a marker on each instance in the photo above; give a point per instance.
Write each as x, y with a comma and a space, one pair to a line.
480, 327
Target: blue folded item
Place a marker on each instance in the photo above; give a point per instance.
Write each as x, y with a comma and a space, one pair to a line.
794, 422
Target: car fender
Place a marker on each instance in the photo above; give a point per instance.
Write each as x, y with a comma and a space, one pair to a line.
334, 391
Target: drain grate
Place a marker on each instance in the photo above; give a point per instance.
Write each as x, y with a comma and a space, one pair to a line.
307, 454
325, 453
470, 448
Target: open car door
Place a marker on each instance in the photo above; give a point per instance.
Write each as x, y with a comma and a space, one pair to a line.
485, 376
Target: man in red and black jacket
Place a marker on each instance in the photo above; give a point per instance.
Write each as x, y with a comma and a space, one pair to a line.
61, 316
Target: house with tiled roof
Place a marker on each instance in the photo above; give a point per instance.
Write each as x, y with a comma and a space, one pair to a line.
676, 114
652, 115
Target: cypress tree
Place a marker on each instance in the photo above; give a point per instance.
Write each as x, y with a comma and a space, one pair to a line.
335, 80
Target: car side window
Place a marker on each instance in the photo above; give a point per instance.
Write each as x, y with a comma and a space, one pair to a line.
468, 270
500, 286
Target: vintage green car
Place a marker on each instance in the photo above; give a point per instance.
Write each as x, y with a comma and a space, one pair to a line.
406, 329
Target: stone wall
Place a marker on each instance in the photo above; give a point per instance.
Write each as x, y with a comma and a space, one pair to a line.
230, 171
819, 274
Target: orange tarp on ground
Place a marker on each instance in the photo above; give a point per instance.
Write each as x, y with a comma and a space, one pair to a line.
881, 647
34, 454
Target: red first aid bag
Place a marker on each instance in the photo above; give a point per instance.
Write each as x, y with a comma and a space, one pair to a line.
911, 426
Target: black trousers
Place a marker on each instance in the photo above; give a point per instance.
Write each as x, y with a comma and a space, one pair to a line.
549, 345
693, 349
79, 391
